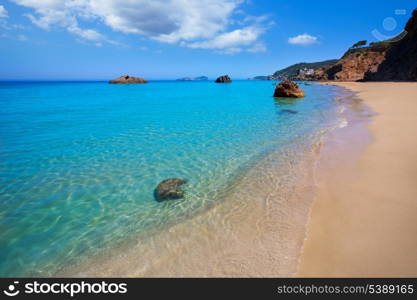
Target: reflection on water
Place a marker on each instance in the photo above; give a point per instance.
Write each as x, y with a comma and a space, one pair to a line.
287, 101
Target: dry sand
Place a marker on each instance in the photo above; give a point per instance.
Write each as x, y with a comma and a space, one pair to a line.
364, 220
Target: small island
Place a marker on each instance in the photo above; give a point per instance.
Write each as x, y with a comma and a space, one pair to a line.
200, 78
126, 79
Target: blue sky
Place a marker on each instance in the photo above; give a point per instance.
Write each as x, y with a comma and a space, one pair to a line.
168, 39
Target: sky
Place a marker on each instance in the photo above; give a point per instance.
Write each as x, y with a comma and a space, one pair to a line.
169, 39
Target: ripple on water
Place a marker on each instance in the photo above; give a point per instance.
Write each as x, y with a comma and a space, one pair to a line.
80, 170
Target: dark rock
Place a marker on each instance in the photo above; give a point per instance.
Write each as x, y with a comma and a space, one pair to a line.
288, 88
126, 79
169, 189
223, 79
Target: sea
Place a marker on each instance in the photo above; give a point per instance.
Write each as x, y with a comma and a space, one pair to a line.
79, 162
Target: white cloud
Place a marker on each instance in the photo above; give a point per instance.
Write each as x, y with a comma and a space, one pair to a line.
3, 12
195, 24
166, 21
88, 34
259, 47
19, 37
63, 13
230, 40
303, 40
22, 38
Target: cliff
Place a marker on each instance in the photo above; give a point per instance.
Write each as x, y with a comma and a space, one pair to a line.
400, 62
390, 60
353, 65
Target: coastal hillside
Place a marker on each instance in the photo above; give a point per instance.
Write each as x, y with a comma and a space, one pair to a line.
390, 60
401, 59
293, 71
296, 71
354, 64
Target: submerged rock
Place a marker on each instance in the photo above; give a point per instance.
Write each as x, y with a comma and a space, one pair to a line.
287, 88
223, 79
126, 79
289, 111
169, 189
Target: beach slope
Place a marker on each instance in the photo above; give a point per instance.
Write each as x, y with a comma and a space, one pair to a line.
364, 220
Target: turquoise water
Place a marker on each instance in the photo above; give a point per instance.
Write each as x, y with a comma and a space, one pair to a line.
79, 160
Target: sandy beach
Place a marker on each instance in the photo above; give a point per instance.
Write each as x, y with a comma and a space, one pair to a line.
363, 222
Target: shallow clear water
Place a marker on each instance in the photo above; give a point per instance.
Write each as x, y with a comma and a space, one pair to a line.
79, 161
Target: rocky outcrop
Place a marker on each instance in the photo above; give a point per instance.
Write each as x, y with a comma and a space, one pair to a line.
223, 79
169, 189
400, 62
353, 66
288, 88
126, 79
390, 60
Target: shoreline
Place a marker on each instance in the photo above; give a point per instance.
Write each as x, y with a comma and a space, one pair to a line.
362, 222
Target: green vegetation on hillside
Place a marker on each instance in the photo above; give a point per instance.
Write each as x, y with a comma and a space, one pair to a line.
292, 71
359, 44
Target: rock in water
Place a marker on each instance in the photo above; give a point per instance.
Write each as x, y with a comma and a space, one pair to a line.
169, 189
223, 79
126, 79
289, 111
288, 88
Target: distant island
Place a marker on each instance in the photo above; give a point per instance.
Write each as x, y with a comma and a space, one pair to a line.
200, 78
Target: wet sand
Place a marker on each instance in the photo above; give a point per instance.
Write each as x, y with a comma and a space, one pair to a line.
364, 219
257, 232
